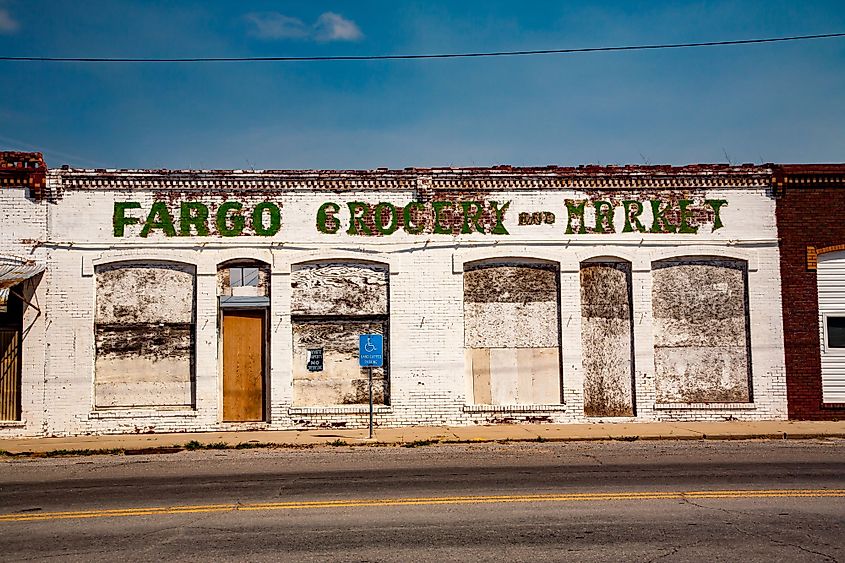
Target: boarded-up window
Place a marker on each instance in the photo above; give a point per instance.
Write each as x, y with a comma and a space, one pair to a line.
511, 333
606, 338
144, 335
831, 287
701, 338
331, 305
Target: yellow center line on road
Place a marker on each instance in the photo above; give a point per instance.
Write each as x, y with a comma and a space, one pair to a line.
417, 501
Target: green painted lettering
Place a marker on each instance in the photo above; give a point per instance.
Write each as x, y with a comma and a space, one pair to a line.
633, 210
716, 204
499, 214
378, 218
407, 214
604, 217
575, 211
472, 218
685, 227
159, 218
326, 214
120, 220
258, 219
357, 211
193, 213
438, 206
223, 218
661, 224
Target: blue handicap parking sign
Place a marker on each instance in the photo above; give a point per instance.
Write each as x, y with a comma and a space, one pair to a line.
370, 350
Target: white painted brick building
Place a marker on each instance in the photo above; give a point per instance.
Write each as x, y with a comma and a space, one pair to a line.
686, 325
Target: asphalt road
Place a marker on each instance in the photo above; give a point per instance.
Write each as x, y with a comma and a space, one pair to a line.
588, 501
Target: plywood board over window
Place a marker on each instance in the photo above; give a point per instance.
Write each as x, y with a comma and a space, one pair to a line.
701, 331
511, 333
332, 303
606, 338
144, 335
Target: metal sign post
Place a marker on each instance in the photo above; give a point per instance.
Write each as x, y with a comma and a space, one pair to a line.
370, 355
371, 402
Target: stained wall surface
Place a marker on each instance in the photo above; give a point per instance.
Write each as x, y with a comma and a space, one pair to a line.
511, 333
331, 277
607, 336
334, 303
701, 331
144, 335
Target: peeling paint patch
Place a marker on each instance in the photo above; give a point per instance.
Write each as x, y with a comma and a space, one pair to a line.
144, 335
606, 339
701, 331
511, 333
339, 289
342, 381
510, 283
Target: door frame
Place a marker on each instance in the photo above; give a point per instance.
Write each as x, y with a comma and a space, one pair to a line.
265, 353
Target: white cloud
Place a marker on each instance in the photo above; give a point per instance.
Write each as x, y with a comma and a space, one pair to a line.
272, 25
334, 27
8, 24
328, 27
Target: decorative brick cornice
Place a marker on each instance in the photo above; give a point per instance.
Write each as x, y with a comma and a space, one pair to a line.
446, 179
807, 176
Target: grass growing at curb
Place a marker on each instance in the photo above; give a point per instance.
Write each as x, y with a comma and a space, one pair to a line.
419, 443
253, 445
195, 445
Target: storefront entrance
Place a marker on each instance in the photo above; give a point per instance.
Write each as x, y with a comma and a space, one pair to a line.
11, 313
244, 360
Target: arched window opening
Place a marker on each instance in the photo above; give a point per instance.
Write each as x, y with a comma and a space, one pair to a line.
144, 335
702, 344
511, 332
332, 303
243, 290
831, 294
607, 337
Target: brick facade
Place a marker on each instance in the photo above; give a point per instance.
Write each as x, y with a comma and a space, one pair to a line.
810, 207
73, 233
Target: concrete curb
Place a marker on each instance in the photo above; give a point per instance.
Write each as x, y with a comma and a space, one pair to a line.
418, 436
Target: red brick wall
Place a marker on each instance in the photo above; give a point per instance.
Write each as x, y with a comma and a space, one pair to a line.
806, 217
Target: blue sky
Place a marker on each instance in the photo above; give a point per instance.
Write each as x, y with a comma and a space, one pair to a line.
760, 103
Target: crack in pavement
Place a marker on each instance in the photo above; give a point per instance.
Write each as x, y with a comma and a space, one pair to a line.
769, 537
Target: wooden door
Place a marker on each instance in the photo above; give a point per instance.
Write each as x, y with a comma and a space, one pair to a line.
243, 366
10, 355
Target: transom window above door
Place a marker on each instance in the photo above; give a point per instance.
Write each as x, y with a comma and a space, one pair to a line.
243, 276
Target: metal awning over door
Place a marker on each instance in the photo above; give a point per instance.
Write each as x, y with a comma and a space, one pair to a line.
15, 270
12, 272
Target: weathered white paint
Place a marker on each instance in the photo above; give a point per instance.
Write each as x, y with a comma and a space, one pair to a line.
700, 329
143, 335
425, 301
511, 325
145, 293
341, 381
339, 289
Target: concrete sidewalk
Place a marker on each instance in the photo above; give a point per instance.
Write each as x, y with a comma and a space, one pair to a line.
410, 435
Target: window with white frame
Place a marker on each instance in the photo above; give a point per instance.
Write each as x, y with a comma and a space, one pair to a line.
830, 280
